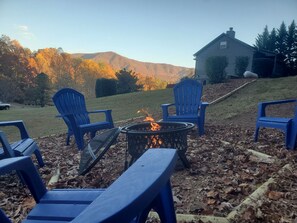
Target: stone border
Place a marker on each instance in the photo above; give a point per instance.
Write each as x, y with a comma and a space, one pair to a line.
251, 200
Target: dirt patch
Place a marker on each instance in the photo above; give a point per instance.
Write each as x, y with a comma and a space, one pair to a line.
214, 91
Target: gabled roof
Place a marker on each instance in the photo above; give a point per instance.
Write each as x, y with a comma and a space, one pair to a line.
219, 37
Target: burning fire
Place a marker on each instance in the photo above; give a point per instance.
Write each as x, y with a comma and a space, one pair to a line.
154, 126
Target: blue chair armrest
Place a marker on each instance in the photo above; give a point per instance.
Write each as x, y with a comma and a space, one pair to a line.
279, 101
134, 190
167, 105
262, 105
165, 111
204, 105
99, 111
108, 116
28, 171
20, 125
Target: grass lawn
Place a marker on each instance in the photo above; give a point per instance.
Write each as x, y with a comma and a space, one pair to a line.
42, 121
246, 99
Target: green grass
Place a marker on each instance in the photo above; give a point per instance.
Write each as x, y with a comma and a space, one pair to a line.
42, 121
246, 100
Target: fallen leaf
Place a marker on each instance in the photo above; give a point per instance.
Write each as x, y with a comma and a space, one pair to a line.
275, 195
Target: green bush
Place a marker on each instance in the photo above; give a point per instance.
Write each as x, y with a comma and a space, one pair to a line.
241, 64
215, 68
105, 87
127, 82
263, 67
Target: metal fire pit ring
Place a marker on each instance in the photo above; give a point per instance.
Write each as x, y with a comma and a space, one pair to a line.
171, 135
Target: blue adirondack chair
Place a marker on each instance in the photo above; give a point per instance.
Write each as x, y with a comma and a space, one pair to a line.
188, 104
23, 147
71, 105
288, 125
145, 185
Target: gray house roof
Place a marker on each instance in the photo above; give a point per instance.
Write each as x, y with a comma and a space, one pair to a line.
226, 36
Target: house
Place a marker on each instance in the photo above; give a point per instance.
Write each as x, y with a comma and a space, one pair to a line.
227, 45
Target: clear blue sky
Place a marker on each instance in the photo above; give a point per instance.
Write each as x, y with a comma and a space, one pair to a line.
159, 31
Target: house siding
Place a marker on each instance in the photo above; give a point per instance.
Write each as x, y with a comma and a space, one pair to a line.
233, 49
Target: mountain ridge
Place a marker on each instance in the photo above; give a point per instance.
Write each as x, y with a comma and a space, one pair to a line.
166, 72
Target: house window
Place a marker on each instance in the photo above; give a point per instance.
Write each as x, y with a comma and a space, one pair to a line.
223, 45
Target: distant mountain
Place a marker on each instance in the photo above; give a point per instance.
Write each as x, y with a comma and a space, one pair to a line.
166, 72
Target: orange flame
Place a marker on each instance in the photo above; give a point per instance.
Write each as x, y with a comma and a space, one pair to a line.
154, 126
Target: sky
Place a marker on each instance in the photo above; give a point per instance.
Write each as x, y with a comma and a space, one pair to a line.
158, 31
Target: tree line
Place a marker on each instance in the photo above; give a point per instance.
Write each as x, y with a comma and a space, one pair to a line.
32, 77
283, 42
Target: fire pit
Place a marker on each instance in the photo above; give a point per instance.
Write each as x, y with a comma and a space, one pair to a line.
140, 137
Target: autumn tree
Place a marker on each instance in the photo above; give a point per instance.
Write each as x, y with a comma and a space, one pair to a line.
45, 62
149, 83
16, 73
106, 71
86, 76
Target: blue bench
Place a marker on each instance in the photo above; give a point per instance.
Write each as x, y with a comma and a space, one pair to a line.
144, 186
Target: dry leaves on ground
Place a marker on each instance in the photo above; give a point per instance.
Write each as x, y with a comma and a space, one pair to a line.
223, 173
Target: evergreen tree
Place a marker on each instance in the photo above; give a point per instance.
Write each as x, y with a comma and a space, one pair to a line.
291, 48
127, 81
262, 40
281, 39
42, 88
283, 42
272, 41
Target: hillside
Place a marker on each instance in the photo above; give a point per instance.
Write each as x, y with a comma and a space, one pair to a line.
166, 72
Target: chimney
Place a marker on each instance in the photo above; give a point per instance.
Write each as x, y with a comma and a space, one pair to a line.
231, 33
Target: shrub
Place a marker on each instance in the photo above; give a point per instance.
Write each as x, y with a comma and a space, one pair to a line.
127, 82
105, 87
241, 64
215, 68
263, 67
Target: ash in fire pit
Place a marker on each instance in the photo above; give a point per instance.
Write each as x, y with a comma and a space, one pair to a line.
140, 137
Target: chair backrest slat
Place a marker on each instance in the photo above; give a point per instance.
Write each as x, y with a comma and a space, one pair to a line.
70, 101
187, 95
